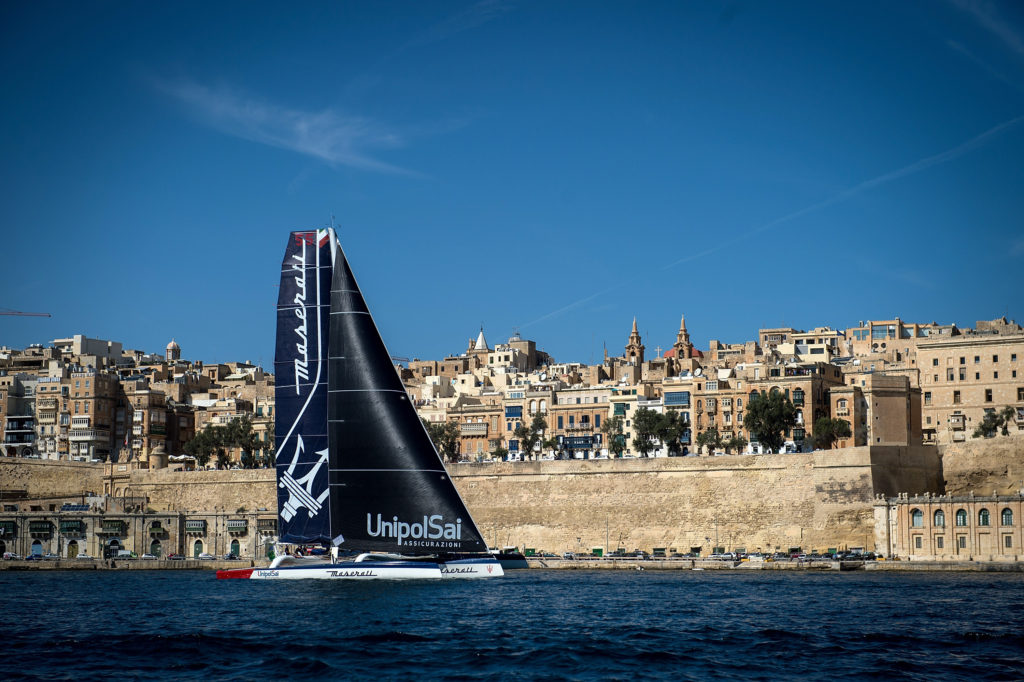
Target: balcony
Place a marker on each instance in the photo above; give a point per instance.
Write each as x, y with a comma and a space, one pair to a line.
583, 426
112, 527
195, 526
157, 430
40, 529
238, 526
72, 527
156, 530
47, 417
266, 525
844, 412
957, 422
137, 430
46, 403
478, 429
89, 435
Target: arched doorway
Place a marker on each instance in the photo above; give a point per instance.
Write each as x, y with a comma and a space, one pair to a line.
197, 549
37, 548
235, 548
72, 549
3, 547
154, 548
113, 547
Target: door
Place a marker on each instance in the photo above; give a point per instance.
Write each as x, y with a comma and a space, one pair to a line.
197, 549
72, 549
154, 548
37, 548
234, 548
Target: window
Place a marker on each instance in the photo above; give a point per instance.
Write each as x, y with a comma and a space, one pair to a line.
1007, 541
927, 397
1020, 393
988, 395
983, 517
977, 376
963, 361
961, 541
917, 518
977, 359
597, 421
935, 362
1006, 518
956, 397
949, 374
961, 517
995, 375
917, 542
963, 374
560, 420
939, 519
938, 541
995, 358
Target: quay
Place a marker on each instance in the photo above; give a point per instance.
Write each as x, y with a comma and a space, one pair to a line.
637, 564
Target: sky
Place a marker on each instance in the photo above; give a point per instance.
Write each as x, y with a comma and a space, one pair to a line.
556, 168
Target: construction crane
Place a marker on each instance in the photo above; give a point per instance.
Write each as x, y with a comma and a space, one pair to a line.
8, 311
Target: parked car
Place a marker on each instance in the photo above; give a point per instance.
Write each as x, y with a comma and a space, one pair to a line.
8, 556
148, 556
83, 555
176, 557
206, 557
230, 557
34, 557
50, 556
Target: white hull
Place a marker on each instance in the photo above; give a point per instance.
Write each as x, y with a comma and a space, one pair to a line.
371, 570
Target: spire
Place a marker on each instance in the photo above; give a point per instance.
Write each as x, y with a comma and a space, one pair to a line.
635, 347
684, 349
481, 342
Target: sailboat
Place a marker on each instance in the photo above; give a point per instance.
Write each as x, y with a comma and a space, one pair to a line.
356, 470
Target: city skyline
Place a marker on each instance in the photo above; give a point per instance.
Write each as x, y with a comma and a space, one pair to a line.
557, 169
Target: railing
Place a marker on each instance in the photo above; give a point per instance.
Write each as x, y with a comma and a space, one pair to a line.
89, 434
843, 413
473, 429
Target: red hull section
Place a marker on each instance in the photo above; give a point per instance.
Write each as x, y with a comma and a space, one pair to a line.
235, 573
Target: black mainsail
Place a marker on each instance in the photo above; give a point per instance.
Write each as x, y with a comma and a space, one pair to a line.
389, 491
300, 392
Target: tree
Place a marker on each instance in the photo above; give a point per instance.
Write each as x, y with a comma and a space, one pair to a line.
201, 447
710, 438
499, 453
645, 426
612, 430
1007, 415
445, 436
827, 431
550, 444
530, 435
671, 428
736, 443
768, 416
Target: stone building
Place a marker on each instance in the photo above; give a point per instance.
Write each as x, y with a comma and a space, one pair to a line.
965, 376
881, 409
946, 527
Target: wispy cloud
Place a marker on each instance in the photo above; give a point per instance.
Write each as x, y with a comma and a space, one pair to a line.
1017, 248
329, 135
851, 192
987, 15
475, 15
846, 194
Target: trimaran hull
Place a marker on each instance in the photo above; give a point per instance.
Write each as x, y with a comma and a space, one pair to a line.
372, 570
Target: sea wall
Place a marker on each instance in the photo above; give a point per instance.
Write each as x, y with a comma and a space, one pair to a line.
811, 500
816, 501
42, 479
984, 465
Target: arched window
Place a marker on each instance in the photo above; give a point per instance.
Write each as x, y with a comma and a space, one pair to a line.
544, 406
1007, 517
983, 518
939, 520
916, 518
533, 407
739, 403
961, 517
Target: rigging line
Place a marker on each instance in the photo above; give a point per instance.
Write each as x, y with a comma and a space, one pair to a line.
410, 471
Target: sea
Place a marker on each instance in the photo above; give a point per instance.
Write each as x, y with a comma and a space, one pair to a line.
529, 625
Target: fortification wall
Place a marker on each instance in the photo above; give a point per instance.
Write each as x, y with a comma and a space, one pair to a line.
42, 478
206, 490
984, 465
814, 501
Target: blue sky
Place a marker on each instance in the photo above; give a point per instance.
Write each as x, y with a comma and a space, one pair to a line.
557, 167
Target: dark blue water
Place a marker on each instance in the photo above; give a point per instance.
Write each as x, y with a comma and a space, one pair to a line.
547, 625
